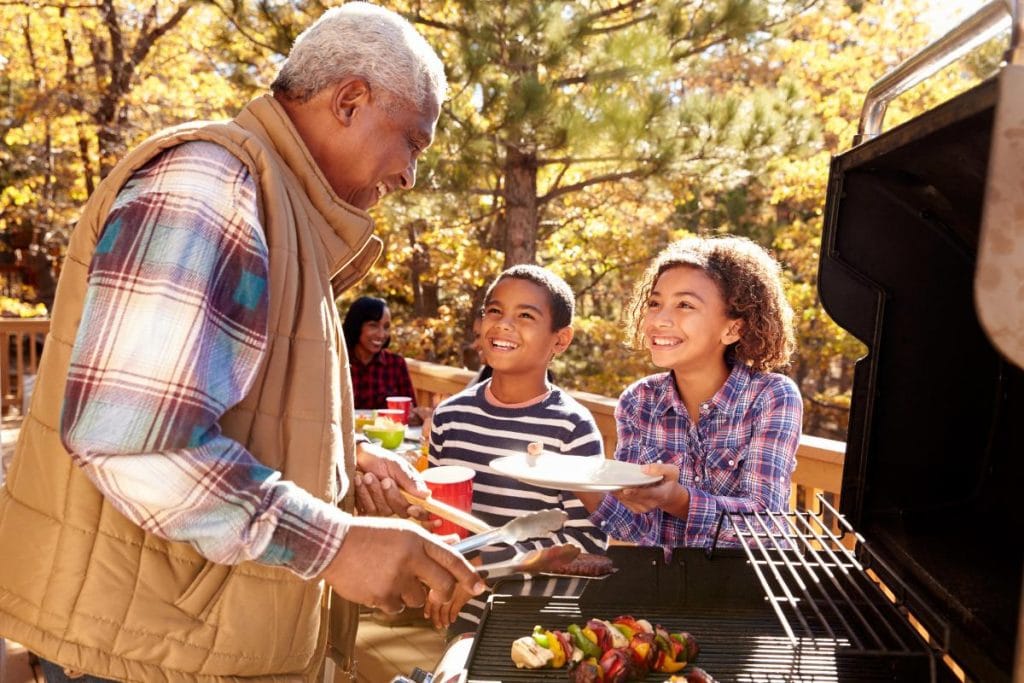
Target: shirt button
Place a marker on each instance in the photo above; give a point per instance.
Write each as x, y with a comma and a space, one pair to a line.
731, 463
696, 479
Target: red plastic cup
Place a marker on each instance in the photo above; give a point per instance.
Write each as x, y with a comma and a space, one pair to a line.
393, 415
452, 484
403, 403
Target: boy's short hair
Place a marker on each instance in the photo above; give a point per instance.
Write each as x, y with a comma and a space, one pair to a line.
750, 282
560, 296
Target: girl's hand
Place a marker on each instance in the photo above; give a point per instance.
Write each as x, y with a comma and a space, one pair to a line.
668, 494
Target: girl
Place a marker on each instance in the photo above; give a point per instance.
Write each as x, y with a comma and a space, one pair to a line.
718, 426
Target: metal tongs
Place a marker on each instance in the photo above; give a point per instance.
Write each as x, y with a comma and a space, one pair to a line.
531, 525
532, 562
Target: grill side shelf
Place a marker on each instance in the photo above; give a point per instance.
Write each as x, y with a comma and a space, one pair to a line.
830, 589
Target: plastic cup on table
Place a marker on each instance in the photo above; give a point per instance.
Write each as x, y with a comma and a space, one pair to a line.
452, 484
403, 403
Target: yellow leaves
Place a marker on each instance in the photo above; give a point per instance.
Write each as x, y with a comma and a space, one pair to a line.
15, 308
14, 195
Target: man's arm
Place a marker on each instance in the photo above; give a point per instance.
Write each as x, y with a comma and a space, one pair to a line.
172, 333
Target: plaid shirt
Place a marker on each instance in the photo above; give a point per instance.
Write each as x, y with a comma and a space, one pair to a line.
385, 375
740, 455
172, 332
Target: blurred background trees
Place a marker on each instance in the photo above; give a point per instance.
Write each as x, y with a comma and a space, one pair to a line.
583, 136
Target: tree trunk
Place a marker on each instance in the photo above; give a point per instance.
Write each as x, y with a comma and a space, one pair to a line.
424, 290
520, 206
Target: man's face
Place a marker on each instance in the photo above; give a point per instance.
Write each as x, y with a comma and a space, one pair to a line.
376, 152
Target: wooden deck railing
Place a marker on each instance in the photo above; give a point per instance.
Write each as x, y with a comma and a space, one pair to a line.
21, 342
819, 461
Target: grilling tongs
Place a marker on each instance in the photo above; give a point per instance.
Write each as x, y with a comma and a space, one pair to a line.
531, 525
532, 562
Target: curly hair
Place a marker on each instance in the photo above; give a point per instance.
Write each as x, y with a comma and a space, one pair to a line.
750, 282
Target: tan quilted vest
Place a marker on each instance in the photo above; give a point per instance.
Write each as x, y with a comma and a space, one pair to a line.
83, 586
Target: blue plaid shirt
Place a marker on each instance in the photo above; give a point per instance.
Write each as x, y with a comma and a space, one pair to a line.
172, 335
739, 456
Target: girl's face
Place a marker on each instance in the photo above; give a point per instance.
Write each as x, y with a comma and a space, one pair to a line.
686, 327
374, 334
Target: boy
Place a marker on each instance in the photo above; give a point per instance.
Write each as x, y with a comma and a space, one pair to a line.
526, 321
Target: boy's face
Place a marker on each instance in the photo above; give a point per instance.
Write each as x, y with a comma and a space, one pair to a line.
686, 327
515, 331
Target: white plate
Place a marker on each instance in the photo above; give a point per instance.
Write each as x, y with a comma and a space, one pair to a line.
572, 472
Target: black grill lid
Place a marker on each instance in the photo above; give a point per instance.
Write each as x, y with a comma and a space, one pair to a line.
935, 450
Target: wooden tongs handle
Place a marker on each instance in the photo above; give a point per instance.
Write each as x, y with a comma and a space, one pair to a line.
449, 512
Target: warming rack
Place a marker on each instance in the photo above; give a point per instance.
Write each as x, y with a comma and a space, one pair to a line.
831, 590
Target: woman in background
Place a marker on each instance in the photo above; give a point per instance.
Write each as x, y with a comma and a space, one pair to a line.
376, 372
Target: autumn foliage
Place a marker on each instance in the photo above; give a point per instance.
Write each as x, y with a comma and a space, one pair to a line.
580, 135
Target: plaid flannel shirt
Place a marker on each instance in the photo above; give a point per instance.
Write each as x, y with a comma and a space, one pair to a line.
739, 456
385, 375
172, 333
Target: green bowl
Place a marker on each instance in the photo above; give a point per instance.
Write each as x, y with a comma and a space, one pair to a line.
389, 438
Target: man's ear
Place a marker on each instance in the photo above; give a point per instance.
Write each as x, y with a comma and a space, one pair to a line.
732, 332
562, 339
349, 94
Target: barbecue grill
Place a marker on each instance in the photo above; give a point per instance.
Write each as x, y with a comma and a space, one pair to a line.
922, 562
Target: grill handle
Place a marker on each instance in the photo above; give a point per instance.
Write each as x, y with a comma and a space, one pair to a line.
969, 34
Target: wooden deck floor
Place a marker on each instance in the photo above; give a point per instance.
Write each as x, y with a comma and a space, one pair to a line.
383, 652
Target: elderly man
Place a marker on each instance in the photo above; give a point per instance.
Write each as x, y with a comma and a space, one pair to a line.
171, 512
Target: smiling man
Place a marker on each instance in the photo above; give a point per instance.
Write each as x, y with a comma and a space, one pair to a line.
179, 501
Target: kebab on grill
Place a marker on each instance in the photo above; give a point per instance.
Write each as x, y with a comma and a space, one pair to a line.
624, 649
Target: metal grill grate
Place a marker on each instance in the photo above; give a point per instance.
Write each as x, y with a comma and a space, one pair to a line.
812, 613
819, 588
736, 645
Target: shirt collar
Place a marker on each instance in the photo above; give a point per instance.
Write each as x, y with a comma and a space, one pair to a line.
375, 359
346, 232
724, 400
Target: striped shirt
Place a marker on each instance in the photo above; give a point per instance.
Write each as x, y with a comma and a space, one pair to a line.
739, 456
469, 429
173, 330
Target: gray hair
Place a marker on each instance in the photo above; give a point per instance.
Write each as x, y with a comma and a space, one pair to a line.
360, 39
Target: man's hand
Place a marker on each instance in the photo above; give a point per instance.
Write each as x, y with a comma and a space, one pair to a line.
445, 614
392, 564
668, 494
379, 476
